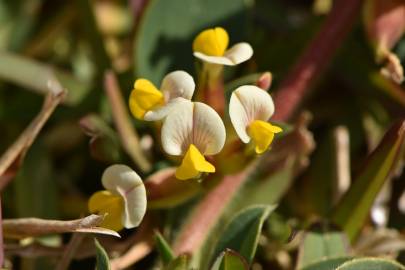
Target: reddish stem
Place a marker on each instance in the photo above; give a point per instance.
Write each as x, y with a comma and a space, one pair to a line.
315, 58
207, 213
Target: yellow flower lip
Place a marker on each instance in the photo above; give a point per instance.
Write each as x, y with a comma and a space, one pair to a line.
212, 42
193, 164
144, 97
112, 206
262, 134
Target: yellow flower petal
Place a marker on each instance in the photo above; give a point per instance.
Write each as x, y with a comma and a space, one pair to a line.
144, 97
193, 164
212, 42
262, 134
104, 202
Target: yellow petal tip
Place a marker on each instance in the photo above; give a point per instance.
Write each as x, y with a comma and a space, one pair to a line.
212, 42
262, 134
193, 165
144, 97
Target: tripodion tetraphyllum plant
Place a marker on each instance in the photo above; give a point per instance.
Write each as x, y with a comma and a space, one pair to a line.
204, 169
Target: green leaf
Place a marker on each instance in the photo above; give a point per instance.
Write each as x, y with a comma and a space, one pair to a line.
371, 264
165, 251
230, 260
320, 244
353, 209
180, 263
103, 262
39, 77
328, 264
242, 233
167, 29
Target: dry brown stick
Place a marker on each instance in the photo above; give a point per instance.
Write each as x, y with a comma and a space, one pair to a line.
16, 152
128, 135
315, 58
24, 227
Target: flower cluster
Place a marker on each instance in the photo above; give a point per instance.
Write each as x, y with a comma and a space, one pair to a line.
193, 131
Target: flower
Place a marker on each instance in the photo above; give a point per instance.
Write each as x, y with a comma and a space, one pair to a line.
249, 109
211, 46
193, 130
124, 200
146, 102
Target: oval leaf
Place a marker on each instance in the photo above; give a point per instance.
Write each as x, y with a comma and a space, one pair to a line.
371, 264
103, 262
242, 233
230, 260
318, 245
328, 264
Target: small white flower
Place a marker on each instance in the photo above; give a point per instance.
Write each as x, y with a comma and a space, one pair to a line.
146, 102
249, 109
193, 130
211, 46
124, 200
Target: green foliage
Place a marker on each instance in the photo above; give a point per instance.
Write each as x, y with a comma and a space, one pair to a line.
165, 251
40, 77
180, 263
353, 209
230, 260
243, 231
103, 262
327, 264
370, 264
318, 245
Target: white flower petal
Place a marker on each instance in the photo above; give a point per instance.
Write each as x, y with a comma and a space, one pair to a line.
193, 123
239, 53
177, 128
162, 112
177, 84
122, 180
209, 130
220, 60
249, 103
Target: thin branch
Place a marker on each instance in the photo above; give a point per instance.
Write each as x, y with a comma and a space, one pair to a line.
14, 155
315, 58
128, 135
24, 227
